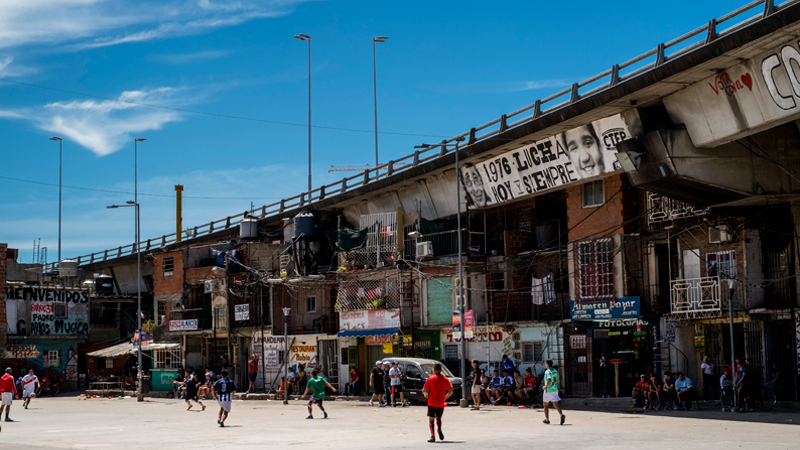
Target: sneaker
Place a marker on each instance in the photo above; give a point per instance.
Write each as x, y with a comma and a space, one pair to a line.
204, 408
324, 414
382, 405
477, 408
190, 407
432, 439
222, 423
563, 418
310, 417
441, 435
546, 422
8, 420
25, 406
371, 403
508, 404
219, 420
403, 405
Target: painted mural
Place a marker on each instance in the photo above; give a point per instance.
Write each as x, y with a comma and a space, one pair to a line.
59, 312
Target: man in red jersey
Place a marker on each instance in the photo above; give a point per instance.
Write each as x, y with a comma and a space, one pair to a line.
7, 392
437, 390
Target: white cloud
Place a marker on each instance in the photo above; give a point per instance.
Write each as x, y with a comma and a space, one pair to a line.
503, 86
98, 23
105, 126
188, 58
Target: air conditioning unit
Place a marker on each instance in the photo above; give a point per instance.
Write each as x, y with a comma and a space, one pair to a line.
424, 249
718, 235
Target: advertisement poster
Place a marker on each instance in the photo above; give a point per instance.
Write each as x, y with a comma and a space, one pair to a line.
145, 341
456, 325
469, 331
549, 163
699, 344
369, 319
241, 312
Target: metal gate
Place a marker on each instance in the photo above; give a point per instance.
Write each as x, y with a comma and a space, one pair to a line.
576, 365
329, 359
780, 357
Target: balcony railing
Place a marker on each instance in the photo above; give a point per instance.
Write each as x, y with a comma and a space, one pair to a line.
693, 296
663, 209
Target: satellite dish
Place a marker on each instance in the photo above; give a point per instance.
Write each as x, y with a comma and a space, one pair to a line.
290, 268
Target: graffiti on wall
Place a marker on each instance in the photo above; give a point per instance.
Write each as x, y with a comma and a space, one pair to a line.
59, 312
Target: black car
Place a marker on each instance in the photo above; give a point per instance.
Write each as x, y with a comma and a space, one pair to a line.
416, 370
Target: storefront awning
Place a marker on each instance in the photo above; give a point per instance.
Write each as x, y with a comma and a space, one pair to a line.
364, 333
126, 348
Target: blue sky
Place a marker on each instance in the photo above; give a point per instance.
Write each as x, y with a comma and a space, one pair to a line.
447, 66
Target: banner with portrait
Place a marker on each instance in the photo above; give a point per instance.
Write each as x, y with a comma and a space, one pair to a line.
550, 163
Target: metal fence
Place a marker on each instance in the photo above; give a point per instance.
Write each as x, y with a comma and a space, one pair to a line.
617, 74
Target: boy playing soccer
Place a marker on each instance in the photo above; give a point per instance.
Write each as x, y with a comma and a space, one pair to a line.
223, 391
318, 384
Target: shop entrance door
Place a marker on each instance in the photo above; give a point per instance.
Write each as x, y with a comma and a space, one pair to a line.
576, 370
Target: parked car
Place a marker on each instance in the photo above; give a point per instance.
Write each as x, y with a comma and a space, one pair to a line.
416, 370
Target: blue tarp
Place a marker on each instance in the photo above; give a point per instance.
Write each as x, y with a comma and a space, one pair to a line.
364, 333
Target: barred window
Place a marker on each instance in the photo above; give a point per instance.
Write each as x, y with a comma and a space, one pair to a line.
169, 264
524, 219
594, 270
722, 264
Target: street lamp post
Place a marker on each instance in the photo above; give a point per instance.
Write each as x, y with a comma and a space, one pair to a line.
305, 37
375, 91
56, 138
138, 253
135, 205
286, 312
733, 352
462, 361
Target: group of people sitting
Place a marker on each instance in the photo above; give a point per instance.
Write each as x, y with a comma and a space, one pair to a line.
652, 393
514, 391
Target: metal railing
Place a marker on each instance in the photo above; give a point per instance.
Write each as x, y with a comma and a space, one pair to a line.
607, 79
445, 243
691, 295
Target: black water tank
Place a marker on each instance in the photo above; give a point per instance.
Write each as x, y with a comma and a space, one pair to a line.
104, 285
305, 224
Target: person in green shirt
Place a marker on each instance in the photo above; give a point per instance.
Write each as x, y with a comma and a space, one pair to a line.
550, 394
317, 384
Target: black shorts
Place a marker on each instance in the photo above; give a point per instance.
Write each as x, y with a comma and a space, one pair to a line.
191, 395
253, 377
313, 400
397, 388
434, 411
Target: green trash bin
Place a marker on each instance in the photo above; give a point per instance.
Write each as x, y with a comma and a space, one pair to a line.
162, 379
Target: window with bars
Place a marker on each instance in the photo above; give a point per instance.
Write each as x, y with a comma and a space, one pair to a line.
594, 194
594, 270
524, 219
169, 266
168, 358
722, 264
59, 310
451, 352
532, 351
311, 304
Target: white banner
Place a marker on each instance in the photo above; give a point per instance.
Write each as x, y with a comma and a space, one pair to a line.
549, 163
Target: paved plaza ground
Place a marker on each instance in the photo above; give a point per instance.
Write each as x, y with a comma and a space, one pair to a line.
68, 422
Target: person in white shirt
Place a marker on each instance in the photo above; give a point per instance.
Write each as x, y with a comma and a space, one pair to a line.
708, 378
29, 384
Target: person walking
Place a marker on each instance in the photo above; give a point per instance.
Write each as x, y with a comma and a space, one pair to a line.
437, 390
708, 378
741, 385
7, 393
550, 394
397, 384
29, 384
252, 373
318, 385
476, 386
223, 391
376, 383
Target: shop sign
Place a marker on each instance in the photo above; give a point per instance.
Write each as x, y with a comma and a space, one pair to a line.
481, 334
621, 308
182, 325
241, 312
22, 351
379, 340
387, 348
305, 355
369, 319
622, 323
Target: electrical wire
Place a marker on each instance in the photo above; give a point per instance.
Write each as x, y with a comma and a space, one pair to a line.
111, 191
